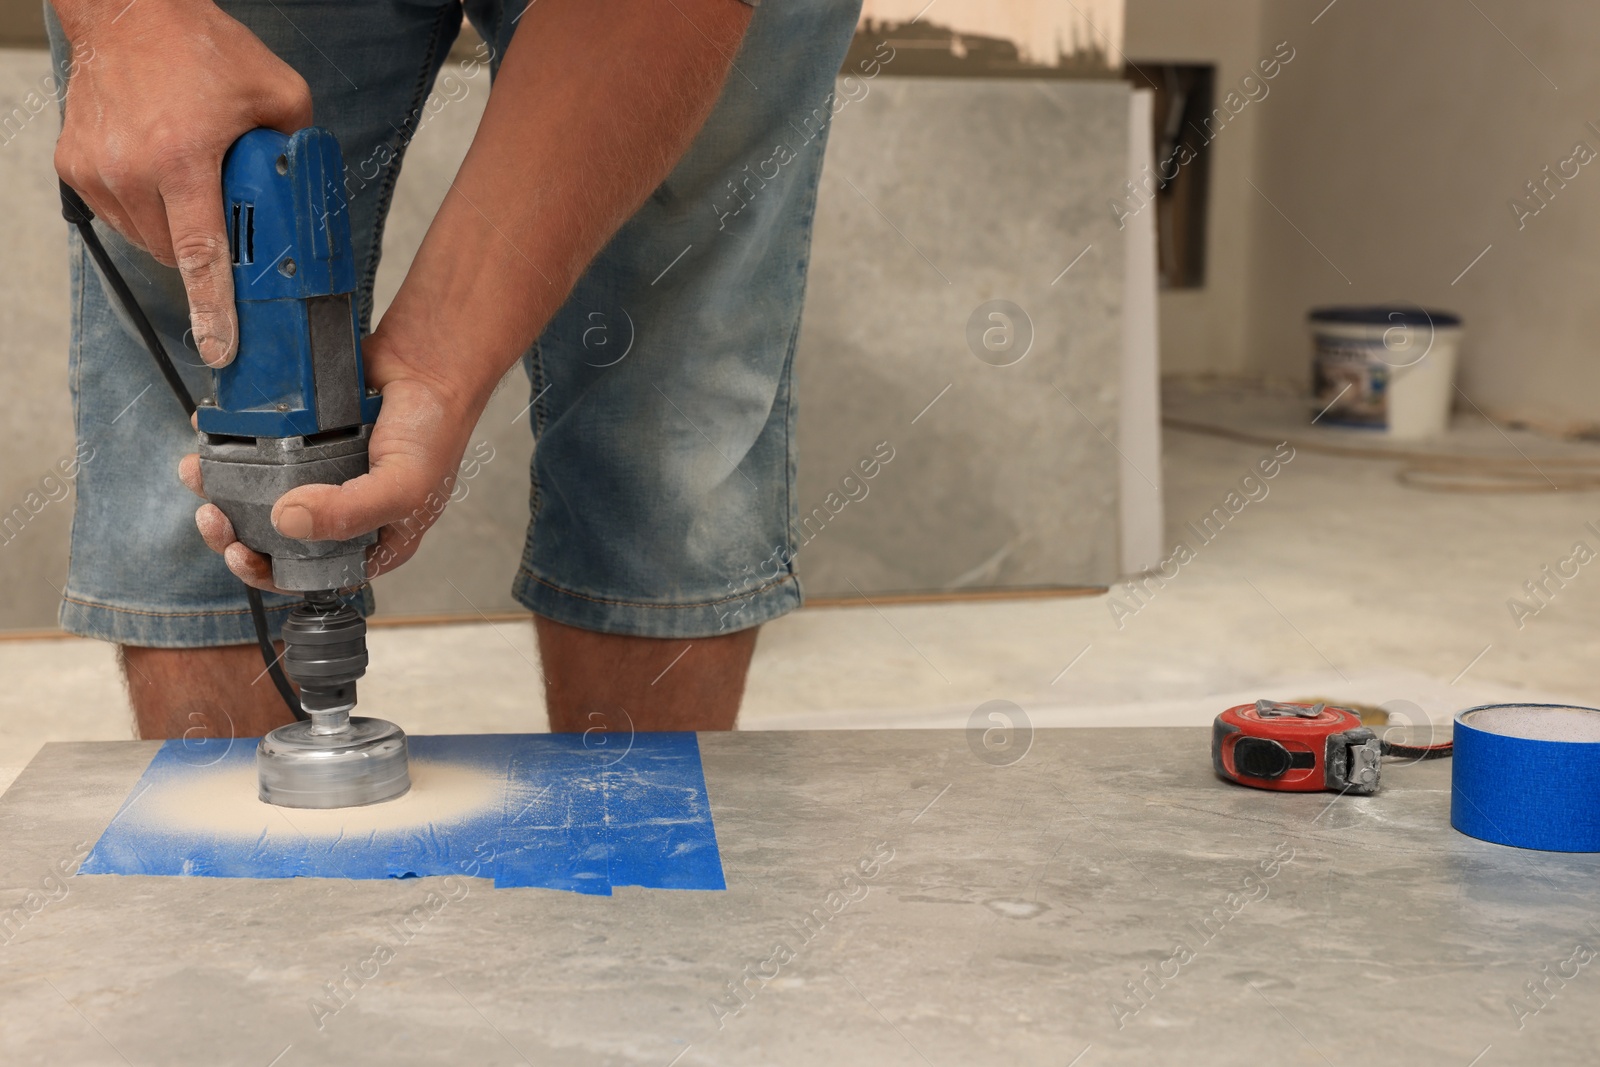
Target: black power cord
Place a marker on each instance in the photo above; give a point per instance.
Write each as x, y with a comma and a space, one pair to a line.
1419, 752
269, 656
77, 212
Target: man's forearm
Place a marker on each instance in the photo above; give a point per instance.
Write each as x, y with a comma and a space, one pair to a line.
594, 103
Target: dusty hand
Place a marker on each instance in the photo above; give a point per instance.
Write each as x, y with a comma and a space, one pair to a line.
171, 86
415, 456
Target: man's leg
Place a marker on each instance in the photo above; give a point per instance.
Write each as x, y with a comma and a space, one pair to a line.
617, 683
201, 692
662, 503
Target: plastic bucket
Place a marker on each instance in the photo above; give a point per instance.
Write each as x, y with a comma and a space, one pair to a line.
1390, 369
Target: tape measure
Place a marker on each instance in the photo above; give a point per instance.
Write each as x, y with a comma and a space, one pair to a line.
1304, 748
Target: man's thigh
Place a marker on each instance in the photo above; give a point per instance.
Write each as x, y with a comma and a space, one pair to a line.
662, 481
140, 574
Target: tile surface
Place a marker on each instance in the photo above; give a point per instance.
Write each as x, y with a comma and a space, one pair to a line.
893, 897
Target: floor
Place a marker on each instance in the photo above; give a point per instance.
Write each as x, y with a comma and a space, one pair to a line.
1338, 582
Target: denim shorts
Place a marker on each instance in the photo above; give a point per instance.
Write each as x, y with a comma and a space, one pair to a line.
651, 475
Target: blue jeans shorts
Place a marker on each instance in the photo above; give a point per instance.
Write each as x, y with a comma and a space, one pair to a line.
651, 476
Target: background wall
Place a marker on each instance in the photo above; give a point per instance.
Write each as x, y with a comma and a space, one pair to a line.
1395, 143
1385, 159
1042, 30
996, 480
35, 410
1206, 330
21, 24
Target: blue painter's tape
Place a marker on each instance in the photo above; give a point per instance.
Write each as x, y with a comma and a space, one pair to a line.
559, 811
1538, 794
659, 790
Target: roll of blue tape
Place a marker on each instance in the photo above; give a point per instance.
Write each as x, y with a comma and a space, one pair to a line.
1528, 775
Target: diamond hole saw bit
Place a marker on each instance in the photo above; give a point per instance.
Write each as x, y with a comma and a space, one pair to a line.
293, 409
331, 759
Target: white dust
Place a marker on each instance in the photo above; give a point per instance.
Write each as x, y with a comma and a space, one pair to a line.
223, 801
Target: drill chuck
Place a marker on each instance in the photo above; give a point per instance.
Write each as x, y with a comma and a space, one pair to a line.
325, 651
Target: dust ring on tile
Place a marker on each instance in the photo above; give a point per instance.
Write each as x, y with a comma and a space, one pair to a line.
223, 800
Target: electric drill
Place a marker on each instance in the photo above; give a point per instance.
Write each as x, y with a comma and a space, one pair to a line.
293, 409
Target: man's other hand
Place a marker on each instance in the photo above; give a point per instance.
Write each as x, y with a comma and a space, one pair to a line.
414, 455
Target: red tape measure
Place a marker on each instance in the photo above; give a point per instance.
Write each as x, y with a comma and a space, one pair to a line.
1303, 748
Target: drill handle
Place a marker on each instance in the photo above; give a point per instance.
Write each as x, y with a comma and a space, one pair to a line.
298, 372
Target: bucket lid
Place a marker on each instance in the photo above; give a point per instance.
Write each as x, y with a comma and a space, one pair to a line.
1384, 315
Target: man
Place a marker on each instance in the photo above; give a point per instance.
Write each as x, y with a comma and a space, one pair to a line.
617, 136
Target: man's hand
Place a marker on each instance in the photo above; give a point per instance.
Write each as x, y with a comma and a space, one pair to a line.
174, 84
414, 454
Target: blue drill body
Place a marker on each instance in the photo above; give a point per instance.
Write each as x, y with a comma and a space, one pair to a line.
298, 371
292, 408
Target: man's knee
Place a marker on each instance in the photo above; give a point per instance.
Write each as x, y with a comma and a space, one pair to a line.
608, 683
